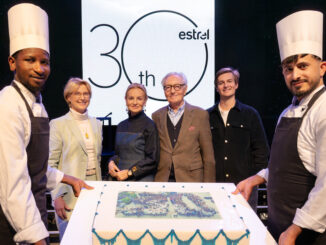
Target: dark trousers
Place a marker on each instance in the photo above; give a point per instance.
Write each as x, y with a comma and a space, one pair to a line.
6, 231
253, 200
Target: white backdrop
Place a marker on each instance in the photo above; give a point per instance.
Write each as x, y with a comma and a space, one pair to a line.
141, 41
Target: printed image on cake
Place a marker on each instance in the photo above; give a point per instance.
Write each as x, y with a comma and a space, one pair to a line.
166, 205
169, 214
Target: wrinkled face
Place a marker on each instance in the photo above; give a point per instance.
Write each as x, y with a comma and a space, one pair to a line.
79, 99
31, 67
226, 85
135, 100
174, 89
303, 76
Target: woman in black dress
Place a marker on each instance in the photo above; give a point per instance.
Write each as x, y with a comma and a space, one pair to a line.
136, 143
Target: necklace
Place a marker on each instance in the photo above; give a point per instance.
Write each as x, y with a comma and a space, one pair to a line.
84, 131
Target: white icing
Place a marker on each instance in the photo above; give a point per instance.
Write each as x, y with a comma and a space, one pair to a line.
106, 224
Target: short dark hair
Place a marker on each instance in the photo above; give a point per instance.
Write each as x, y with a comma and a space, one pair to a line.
294, 58
15, 54
228, 69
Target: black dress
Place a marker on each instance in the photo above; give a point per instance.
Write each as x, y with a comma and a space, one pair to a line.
137, 147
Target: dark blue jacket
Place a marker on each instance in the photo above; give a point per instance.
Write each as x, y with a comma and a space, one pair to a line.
240, 147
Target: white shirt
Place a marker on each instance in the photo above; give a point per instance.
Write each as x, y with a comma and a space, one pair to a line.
85, 128
175, 116
16, 198
312, 152
224, 114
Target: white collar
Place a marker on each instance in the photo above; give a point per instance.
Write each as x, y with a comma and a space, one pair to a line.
79, 116
180, 109
305, 100
29, 96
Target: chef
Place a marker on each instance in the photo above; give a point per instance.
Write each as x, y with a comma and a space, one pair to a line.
296, 173
24, 132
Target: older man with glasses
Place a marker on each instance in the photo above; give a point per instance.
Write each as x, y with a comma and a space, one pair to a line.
186, 150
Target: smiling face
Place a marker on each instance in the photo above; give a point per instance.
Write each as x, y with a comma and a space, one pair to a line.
175, 89
226, 85
79, 99
31, 67
135, 100
304, 75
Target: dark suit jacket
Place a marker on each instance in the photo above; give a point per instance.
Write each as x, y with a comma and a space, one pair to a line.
193, 155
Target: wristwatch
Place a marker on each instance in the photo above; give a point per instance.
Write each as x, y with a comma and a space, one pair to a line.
129, 173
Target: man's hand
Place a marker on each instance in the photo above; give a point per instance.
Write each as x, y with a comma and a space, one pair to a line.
245, 187
113, 169
60, 208
41, 242
122, 175
76, 184
289, 236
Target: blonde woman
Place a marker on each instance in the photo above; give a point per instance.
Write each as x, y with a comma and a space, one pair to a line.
136, 144
75, 147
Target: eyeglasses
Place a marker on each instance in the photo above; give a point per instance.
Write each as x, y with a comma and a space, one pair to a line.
176, 87
79, 95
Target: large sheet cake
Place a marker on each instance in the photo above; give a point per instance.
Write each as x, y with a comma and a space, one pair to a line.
167, 213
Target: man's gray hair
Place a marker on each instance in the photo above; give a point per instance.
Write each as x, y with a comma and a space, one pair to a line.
179, 74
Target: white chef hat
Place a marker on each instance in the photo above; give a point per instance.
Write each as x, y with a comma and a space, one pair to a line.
301, 33
28, 28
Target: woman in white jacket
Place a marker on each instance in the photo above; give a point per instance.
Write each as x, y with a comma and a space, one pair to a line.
75, 147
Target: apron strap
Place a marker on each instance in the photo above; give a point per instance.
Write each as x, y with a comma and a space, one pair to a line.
313, 99
27, 105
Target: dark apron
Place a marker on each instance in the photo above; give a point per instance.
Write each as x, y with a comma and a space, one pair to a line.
289, 183
37, 162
